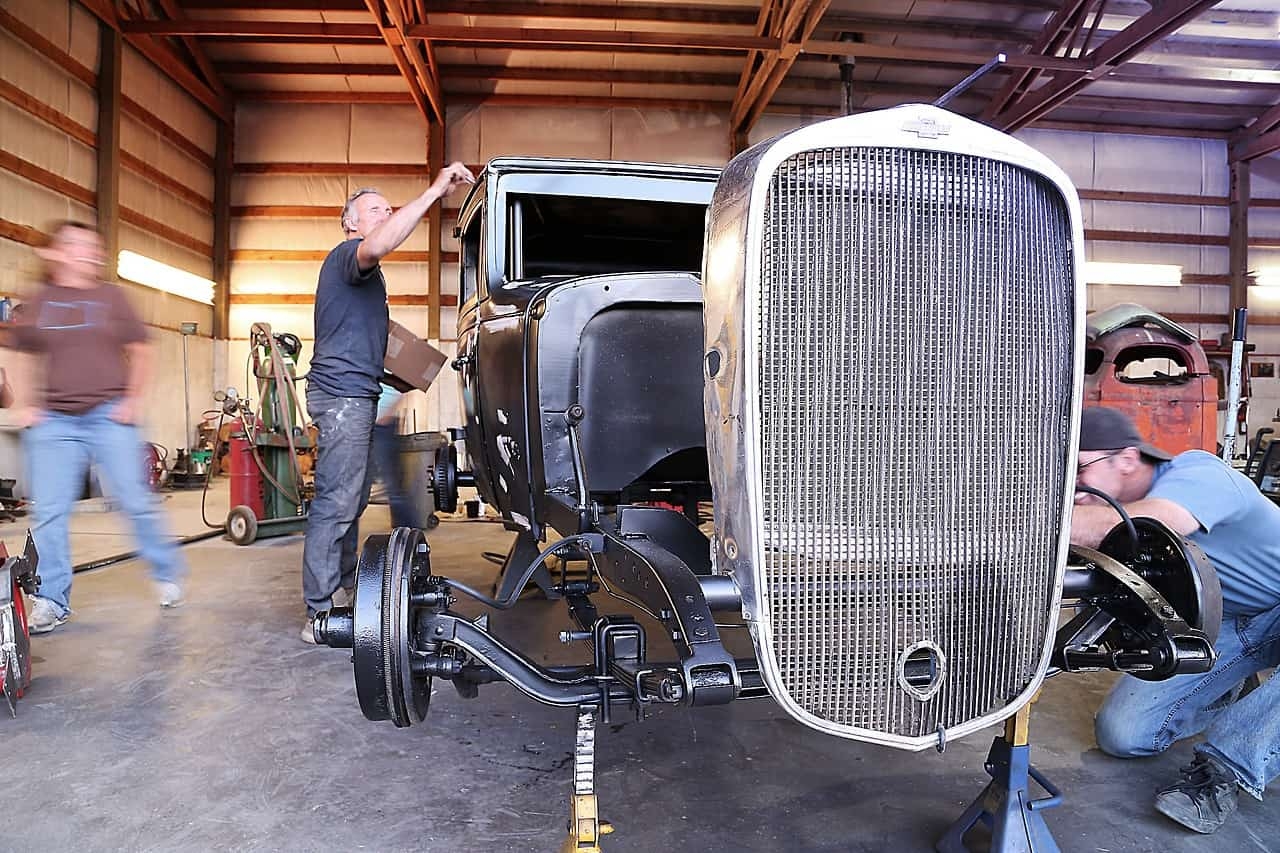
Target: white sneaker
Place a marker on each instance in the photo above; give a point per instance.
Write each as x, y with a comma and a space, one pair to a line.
169, 593
43, 615
309, 632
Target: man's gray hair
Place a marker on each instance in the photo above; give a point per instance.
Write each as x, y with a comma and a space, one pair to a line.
346, 208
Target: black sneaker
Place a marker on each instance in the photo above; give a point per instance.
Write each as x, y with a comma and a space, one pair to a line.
1203, 798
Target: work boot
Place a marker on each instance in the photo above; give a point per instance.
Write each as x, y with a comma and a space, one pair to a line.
43, 615
1203, 798
169, 594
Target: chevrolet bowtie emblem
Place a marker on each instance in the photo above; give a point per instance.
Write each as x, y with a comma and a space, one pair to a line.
927, 128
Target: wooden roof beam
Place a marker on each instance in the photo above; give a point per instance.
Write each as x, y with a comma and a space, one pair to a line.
1260, 138
1066, 21
1006, 36
739, 16
593, 75
279, 5
197, 54
345, 96
237, 29
164, 58
392, 33
522, 37
793, 23
935, 55
1258, 146
344, 69
1114, 52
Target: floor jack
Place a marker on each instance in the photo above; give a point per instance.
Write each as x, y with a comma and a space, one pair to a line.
267, 495
1005, 805
17, 574
585, 826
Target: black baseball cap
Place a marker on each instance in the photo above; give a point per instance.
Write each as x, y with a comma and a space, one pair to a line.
1102, 428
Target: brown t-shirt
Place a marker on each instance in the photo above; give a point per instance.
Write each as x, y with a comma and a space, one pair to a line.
81, 335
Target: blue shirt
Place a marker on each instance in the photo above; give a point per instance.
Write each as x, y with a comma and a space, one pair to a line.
351, 326
1239, 527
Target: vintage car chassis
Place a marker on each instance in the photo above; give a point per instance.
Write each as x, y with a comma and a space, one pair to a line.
1152, 611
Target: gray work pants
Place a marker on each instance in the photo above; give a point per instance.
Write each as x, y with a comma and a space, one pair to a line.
344, 473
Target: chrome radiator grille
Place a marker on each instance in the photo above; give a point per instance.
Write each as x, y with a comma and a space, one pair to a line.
915, 371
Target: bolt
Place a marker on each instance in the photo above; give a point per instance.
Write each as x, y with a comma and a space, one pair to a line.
422, 547
700, 632
689, 599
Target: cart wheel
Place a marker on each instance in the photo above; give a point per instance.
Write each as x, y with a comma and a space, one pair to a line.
242, 525
433, 521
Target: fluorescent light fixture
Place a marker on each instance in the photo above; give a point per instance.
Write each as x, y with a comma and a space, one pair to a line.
152, 273
1268, 278
1150, 275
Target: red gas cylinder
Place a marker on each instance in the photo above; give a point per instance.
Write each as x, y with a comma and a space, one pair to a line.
246, 479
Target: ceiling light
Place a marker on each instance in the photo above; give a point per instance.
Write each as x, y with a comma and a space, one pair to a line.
1148, 275
152, 273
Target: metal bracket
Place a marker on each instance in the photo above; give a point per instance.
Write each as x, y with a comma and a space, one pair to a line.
649, 573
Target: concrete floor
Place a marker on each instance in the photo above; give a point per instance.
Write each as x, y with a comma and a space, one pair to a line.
213, 727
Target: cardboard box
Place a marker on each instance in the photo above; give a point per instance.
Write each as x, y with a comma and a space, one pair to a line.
411, 362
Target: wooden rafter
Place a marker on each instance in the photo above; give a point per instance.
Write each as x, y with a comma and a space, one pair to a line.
280, 5
411, 57
934, 55
1114, 52
197, 53
665, 12
344, 69
1260, 138
1059, 28
238, 29
560, 38
792, 23
166, 59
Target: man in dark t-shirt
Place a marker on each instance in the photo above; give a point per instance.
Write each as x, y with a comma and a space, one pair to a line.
94, 356
343, 381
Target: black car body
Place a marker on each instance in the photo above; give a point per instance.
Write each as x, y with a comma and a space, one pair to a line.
579, 333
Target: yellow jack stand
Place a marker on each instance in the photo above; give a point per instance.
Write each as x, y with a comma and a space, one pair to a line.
585, 826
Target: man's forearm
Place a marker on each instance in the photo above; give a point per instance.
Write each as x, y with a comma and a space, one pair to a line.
389, 235
1090, 523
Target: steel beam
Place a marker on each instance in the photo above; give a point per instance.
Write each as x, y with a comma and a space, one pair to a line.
1114, 52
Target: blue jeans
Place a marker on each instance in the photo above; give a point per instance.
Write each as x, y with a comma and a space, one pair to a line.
1141, 718
386, 452
59, 450
344, 473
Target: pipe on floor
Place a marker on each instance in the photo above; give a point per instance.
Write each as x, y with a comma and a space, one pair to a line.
129, 555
